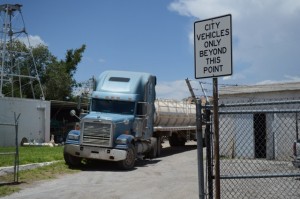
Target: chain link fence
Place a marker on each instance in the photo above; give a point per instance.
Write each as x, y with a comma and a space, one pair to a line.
11, 154
256, 148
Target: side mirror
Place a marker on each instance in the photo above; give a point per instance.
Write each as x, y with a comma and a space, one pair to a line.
73, 113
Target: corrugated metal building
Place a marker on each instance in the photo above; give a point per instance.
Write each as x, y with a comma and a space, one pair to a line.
278, 91
239, 135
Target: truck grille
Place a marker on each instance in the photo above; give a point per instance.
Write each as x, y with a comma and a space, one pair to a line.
96, 134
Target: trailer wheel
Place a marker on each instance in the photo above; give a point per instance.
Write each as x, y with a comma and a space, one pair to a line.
129, 162
175, 140
72, 161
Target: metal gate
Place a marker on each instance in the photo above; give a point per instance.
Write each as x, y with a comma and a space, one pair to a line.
255, 150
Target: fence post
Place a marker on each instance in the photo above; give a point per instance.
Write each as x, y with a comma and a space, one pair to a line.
216, 137
16, 166
200, 149
209, 152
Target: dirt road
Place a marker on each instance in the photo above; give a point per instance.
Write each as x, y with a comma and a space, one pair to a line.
173, 175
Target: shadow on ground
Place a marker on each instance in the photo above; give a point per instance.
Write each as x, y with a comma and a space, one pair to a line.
96, 165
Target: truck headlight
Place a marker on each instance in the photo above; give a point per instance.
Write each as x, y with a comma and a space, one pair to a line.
73, 137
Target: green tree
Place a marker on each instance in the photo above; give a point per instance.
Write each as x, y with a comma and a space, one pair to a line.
73, 57
56, 76
58, 83
42, 58
59, 79
14, 60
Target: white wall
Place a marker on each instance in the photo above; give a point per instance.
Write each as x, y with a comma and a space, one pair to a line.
34, 121
284, 135
281, 128
236, 136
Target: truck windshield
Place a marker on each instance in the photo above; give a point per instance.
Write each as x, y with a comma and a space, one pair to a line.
112, 106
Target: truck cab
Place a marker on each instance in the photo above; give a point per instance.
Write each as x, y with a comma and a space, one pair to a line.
119, 125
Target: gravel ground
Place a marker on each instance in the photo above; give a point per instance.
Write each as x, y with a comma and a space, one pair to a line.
174, 175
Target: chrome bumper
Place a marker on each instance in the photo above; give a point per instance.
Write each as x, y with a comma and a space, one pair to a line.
90, 152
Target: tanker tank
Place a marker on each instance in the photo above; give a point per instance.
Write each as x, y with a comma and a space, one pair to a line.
172, 113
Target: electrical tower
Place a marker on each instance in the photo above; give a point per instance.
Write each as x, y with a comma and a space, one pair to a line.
18, 70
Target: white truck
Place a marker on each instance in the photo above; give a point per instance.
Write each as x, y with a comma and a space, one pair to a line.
126, 121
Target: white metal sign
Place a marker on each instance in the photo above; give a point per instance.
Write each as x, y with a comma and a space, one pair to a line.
213, 47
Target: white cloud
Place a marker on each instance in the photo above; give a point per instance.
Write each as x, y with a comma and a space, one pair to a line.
236, 77
32, 40
172, 90
265, 34
287, 78
101, 60
203, 9
292, 78
267, 82
177, 90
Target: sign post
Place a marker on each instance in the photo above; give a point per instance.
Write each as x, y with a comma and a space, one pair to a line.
213, 58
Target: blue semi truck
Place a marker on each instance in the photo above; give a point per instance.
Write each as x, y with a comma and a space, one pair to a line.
126, 122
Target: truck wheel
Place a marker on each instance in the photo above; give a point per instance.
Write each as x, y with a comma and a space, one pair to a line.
182, 141
153, 150
175, 140
159, 146
129, 162
72, 161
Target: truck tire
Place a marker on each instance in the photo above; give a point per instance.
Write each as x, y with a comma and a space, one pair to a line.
129, 162
175, 140
153, 150
159, 146
72, 161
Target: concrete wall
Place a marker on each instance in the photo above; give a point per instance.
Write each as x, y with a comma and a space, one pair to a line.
34, 121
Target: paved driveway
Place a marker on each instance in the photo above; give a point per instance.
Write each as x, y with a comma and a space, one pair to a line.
174, 175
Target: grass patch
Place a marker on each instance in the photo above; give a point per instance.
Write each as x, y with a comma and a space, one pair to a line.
27, 155
8, 189
30, 176
31, 154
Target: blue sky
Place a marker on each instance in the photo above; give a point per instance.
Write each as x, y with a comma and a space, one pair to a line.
157, 37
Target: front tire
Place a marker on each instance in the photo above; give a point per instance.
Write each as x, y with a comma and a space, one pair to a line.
129, 161
72, 161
